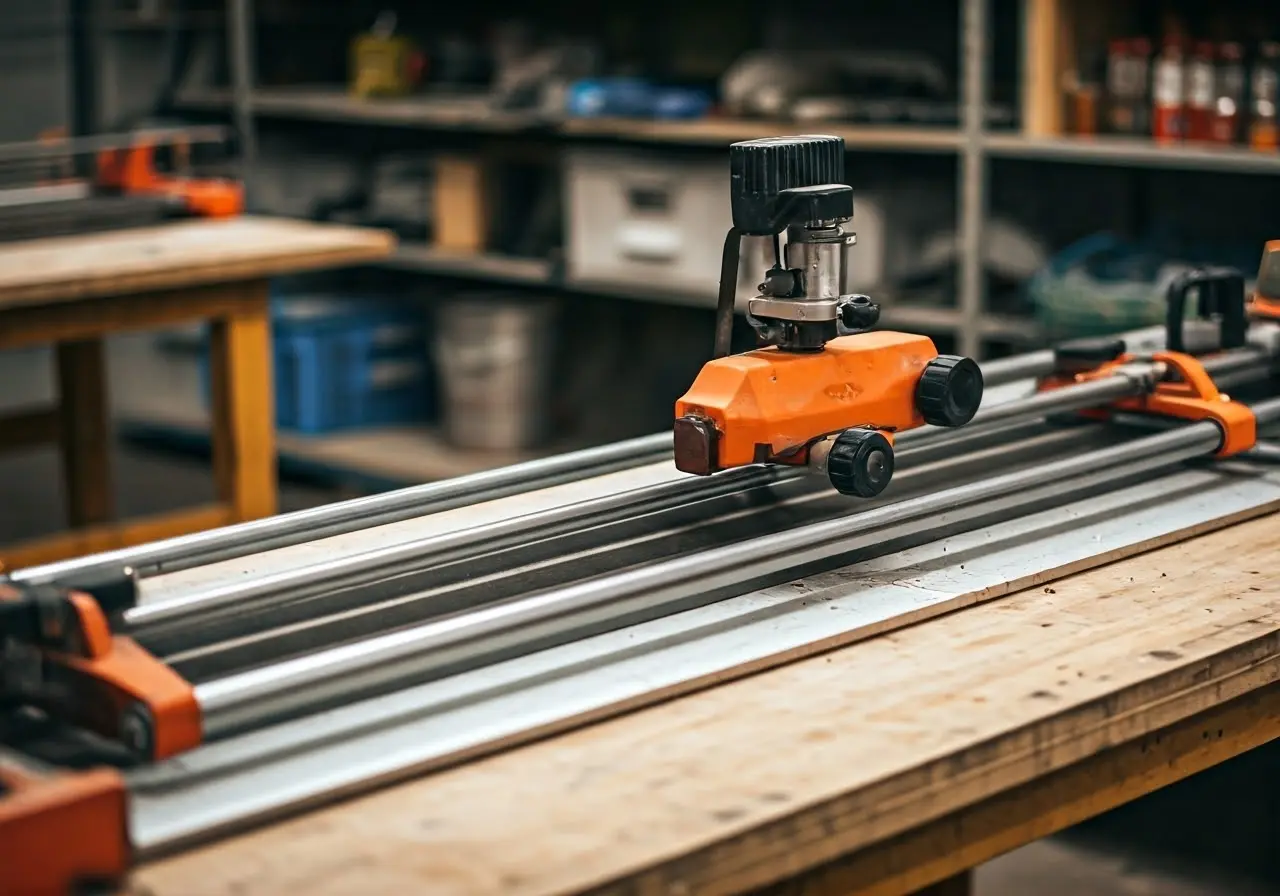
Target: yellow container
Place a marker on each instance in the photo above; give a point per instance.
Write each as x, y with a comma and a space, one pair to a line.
382, 66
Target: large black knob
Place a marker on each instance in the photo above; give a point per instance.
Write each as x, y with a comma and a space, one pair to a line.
860, 463
949, 391
777, 181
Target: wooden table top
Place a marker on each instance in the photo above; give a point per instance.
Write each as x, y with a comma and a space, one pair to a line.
177, 255
749, 781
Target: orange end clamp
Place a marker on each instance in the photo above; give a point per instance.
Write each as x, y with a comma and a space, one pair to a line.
1192, 396
1264, 304
132, 170
61, 657
61, 831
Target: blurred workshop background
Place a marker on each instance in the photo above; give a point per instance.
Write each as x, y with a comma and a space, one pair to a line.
555, 178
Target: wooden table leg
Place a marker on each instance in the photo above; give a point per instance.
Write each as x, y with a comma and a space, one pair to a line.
85, 432
958, 885
244, 450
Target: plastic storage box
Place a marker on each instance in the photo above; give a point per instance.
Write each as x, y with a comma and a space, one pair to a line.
343, 364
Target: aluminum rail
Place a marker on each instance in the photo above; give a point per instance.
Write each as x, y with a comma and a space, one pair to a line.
198, 549
40, 149
235, 784
312, 682
354, 570
214, 645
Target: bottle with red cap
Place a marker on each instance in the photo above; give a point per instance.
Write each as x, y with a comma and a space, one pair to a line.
1200, 92
1168, 92
1263, 88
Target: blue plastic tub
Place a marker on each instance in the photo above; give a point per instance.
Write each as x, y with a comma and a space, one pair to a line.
341, 364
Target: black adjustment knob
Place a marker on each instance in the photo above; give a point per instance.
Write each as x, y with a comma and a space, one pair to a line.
777, 181
949, 391
858, 313
860, 463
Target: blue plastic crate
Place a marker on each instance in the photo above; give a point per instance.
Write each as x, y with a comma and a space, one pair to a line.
340, 364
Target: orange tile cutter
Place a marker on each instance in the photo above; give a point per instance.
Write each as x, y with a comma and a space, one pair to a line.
135, 179
819, 381
1180, 387
132, 170
1264, 303
58, 655
59, 660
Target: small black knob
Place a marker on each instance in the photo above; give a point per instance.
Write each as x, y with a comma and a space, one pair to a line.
949, 391
769, 174
859, 313
860, 463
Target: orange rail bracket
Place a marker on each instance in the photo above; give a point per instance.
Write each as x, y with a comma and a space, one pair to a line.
1186, 392
61, 830
61, 657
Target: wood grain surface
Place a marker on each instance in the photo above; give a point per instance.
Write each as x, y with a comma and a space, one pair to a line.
178, 255
758, 780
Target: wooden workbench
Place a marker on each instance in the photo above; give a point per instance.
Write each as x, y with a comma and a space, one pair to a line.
888, 766
73, 292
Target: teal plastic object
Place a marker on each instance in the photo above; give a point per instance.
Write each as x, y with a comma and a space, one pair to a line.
1101, 285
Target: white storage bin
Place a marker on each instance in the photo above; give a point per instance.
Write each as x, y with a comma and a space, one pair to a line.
655, 223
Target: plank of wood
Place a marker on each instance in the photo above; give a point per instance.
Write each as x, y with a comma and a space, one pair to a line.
755, 781
181, 254
466, 112
999, 825
716, 131
476, 113
108, 537
240, 378
28, 325
85, 428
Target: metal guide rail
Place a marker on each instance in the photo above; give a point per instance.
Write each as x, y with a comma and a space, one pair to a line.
218, 698
60, 186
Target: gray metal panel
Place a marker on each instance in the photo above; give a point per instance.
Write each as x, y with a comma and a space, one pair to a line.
34, 68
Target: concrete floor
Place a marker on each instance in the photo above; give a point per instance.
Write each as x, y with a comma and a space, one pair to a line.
1128, 853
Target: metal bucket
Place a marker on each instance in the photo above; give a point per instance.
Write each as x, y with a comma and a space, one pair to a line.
494, 356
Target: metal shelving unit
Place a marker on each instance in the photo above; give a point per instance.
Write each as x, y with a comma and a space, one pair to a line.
1132, 152
968, 321
973, 145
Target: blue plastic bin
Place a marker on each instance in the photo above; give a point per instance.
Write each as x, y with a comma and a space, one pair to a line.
342, 364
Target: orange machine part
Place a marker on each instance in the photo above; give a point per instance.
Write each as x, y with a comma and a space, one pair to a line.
133, 170
1265, 301
1194, 396
114, 671
61, 830
105, 674
768, 405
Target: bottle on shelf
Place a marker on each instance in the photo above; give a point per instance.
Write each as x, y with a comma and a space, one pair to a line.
1200, 92
1263, 82
1126, 93
1084, 96
1228, 103
1168, 93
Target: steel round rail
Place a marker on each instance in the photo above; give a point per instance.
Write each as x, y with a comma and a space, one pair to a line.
381, 563
310, 682
187, 551
197, 549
